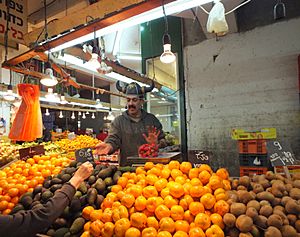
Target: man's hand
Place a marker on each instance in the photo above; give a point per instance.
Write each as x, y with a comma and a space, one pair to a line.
103, 148
153, 134
84, 171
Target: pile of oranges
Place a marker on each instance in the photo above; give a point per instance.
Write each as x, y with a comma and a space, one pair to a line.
163, 200
23, 176
81, 141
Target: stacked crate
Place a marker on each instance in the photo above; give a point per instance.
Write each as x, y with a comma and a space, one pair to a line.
252, 150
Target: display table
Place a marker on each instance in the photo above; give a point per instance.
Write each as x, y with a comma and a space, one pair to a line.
162, 158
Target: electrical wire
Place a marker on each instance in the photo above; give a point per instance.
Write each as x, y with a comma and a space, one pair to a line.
165, 17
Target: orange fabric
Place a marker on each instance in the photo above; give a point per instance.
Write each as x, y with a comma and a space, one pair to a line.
28, 125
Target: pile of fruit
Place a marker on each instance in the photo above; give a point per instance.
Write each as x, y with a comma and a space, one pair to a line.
267, 205
162, 200
8, 152
148, 150
79, 142
51, 148
21, 177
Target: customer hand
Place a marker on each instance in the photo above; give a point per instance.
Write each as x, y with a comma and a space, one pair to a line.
103, 148
84, 171
153, 134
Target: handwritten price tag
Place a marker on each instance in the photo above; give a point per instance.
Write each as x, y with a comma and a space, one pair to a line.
280, 154
83, 155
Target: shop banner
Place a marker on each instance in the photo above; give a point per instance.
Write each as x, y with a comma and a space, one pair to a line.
198, 157
17, 19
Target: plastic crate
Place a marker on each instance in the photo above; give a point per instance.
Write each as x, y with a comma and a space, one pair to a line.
292, 169
253, 146
249, 160
251, 171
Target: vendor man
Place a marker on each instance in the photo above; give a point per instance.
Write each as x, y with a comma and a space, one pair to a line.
132, 128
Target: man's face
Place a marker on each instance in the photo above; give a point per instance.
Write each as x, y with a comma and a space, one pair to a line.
134, 105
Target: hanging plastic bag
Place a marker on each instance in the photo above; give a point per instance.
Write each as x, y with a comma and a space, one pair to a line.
216, 22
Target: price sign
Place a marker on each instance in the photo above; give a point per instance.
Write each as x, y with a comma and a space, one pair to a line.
84, 154
280, 154
29, 152
198, 157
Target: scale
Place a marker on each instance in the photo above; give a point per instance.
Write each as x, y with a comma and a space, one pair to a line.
162, 158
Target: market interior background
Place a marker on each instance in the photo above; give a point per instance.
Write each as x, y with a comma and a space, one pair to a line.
247, 79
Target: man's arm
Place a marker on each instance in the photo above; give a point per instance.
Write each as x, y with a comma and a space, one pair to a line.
114, 137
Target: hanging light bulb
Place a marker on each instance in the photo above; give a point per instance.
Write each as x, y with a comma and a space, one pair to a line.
79, 113
63, 99
87, 112
49, 79
93, 62
110, 116
83, 116
73, 115
60, 115
167, 56
98, 103
47, 112
9, 96
93, 115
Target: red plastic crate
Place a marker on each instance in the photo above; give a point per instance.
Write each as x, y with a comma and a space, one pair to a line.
253, 146
293, 169
251, 171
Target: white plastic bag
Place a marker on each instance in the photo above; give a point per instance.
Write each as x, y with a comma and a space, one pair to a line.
216, 22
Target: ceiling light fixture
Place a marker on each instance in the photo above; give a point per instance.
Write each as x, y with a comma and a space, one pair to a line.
60, 115
170, 8
93, 115
167, 56
87, 112
94, 62
79, 113
83, 116
47, 112
73, 115
49, 79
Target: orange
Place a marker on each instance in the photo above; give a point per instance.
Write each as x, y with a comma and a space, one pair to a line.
180, 179
30, 161
3, 205
183, 202
164, 192
182, 225
177, 212
132, 232
214, 231
138, 220
140, 170
150, 191
85, 234
220, 194
203, 221
165, 173
160, 184
222, 173
152, 222
151, 179
217, 220
195, 181
116, 188
108, 230
169, 201
176, 190
185, 167
122, 181
6, 211
164, 234
187, 187
151, 204
221, 207
226, 184
176, 173
188, 198
197, 191
135, 190
95, 215
162, 211
87, 226
194, 173
120, 194
205, 167
106, 215
15, 200
148, 165
121, 226
180, 234
204, 177
148, 213
174, 164
167, 224
13, 192
95, 227
196, 232
149, 232
107, 202
116, 204
155, 170
215, 182
119, 213
140, 203
196, 207
128, 200
208, 200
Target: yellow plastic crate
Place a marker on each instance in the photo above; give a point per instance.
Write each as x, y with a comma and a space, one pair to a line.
264, 133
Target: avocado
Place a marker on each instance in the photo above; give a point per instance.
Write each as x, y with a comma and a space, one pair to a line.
99, 200
116, 176
59, 223
56, 181
47, 184
55, 187
82, 188
47, 195
100, 185
50, 232
66, 177
37, 197
70, 170
108, 181
77, 225
26, 201
91, 195
75, 205
92, 179
78, 164
73, 163
127, 169
17, 208
60, 232
105, 173
37, 190
78, 194
66, 213
83, 200
36, 206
